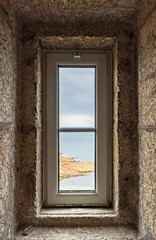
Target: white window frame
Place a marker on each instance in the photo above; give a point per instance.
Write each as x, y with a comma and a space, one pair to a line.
103, 194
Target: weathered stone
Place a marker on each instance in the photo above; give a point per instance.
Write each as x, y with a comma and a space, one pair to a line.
98, 25
6, 182
147, 117
83, 233
7, 70
7, 122
148, 159
147, 83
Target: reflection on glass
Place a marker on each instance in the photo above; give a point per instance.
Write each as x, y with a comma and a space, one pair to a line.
77, 161
76, 97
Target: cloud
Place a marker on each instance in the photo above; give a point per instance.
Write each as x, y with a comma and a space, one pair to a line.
78, 121
77, 93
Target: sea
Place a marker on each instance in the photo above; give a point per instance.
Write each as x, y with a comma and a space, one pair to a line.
81, 147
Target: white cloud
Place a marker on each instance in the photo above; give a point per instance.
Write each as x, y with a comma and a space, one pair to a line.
76, 121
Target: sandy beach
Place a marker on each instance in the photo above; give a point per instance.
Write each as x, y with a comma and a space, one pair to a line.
70, 168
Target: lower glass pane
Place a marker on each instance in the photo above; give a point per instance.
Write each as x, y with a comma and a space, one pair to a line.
76, 161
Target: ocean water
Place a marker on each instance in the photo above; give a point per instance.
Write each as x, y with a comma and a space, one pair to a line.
79, 183
81, 147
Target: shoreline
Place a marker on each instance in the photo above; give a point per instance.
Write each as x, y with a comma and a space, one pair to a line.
70, 168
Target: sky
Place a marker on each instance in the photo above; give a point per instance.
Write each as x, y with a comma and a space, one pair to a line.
76, 97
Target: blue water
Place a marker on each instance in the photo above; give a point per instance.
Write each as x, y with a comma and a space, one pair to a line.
79, 183
81, 147
78, 145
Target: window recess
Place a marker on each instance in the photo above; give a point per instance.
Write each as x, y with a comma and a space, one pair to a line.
77, 129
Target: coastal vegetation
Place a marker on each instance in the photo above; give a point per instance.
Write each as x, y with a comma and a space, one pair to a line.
69, 167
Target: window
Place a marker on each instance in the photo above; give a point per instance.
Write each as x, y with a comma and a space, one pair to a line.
77, 129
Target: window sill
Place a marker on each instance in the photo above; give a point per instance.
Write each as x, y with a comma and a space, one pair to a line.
88, 233
78, 212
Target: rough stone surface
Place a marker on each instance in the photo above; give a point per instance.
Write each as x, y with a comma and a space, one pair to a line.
148, 158
103, 25
99, 233
6, 180
7, 69
145, 10
147, 123
147, 83
94, 36
76, 10
7, 120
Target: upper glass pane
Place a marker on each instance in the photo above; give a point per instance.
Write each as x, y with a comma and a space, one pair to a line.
76, 97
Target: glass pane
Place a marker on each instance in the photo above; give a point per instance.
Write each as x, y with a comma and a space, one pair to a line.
77, 161
76, 97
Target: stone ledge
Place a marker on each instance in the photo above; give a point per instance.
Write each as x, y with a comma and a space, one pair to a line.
81, 212
85, 233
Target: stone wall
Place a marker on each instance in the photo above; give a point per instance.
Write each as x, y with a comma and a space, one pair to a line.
147, 123
21, 110
55, 35
7, 122
145, 10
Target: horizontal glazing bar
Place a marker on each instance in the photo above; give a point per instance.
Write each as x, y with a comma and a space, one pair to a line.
77, 130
